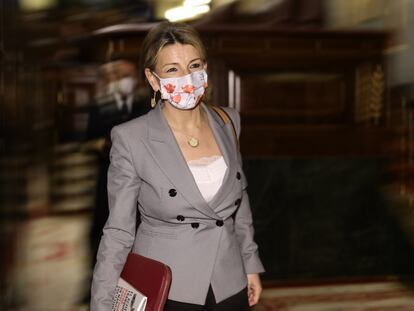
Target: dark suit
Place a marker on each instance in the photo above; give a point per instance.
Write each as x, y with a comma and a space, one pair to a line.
103, 116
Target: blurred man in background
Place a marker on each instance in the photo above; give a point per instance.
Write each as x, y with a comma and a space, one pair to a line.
118, 100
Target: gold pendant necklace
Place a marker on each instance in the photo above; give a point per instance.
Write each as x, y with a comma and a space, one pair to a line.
193, 142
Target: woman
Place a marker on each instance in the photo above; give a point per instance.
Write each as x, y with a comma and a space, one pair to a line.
181, 163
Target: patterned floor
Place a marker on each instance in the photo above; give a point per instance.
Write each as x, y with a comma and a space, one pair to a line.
385, 295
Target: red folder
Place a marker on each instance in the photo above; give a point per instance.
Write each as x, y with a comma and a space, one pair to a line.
150, 277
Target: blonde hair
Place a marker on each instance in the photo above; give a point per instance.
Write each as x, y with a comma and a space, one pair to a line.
167, 33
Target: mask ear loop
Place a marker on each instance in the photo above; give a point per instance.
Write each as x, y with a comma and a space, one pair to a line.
153, 100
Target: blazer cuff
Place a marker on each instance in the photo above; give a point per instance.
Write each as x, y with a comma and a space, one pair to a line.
253, 264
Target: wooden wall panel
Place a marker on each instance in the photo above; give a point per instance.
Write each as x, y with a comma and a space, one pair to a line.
293, 97
302, 92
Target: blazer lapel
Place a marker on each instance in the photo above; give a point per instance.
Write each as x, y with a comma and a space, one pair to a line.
225, 139
167, 154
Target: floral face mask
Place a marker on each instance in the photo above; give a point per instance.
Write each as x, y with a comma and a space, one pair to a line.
184, 92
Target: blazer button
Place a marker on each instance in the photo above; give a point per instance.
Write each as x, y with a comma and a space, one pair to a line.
238, 175
180, 218
195, 225
237, 203
219, 223
172, 192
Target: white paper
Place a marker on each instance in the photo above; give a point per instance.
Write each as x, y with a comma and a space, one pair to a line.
127, 298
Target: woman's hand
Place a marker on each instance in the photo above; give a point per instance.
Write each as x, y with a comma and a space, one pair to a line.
254, 288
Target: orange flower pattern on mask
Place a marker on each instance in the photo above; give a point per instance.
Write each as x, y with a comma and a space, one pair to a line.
176, 98
188, 88
170, 88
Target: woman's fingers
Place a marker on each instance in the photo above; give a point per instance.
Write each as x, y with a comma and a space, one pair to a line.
254, 288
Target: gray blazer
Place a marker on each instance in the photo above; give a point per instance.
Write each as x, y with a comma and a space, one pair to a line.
203, 243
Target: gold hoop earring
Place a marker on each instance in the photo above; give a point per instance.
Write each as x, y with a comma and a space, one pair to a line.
153, 102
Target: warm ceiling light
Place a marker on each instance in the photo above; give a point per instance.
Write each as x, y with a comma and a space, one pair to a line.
196, 2
189, 10
35, 5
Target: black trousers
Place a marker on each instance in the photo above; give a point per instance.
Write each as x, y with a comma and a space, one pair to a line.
237, 302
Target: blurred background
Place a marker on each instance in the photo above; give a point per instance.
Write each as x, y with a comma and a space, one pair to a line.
325, 89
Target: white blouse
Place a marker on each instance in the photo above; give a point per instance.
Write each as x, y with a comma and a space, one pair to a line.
208, 173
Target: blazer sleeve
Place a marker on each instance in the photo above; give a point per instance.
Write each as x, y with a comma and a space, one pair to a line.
119, 230
243, 218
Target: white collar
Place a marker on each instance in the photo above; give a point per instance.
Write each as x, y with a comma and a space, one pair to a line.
119, 102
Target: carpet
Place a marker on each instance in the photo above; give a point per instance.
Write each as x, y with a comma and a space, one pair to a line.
385, 295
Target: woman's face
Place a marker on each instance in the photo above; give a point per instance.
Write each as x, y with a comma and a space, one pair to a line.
175, 60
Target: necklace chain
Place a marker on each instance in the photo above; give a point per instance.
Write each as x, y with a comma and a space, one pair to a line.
192, 141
